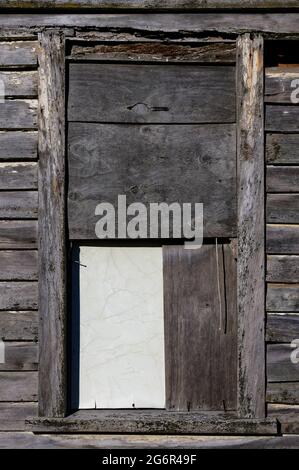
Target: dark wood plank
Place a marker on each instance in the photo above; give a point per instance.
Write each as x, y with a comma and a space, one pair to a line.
19, 84
18, 53
18, 295
18, 204
18, 265
18, 234
282, 179
282, 298
251, 226
151, 94
283, 268
51, 240
20, 356
283, 392
18, 386
18, 175
283, 239
18, 145
284, 118
19, 325
13, 415
278, 84
288, 417
282, 328
155, 52
18, 114
280, 368
283, 208
282, 148
184, 164
200, 328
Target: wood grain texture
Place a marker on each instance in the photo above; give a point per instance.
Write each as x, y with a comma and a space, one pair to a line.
200, 328
151, 94
51, 240
18, 386
13, 415
285, 392
288, 417
155, 52
20, 356
19, 84
18, 175
282, 179
18, 53
20, 234
280, 368
18, 114
283, 118
283, 268
282, 298
283, 239
18, 204
184, 164
18, 145
282, 148
18, 295
251, 263
278, 84
18, 265
19, 325
283, 208
282, 328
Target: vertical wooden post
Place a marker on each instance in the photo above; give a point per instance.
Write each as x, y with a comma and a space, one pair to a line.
251, 227
52, 252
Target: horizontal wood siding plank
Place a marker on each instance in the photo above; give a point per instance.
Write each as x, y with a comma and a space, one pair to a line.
20, 356
18, 53
283, 208
20, 234
282, 298
288, 417
18, 265
282, 179
18, 114
280, 368
18, 295
18, 145
151, 93
18, 386
18, 175
282, 328
19, 84
282, 148
13, 415
19, 325
283, 268
283, 239
18, 204
278, 83
166, 164
282, 118
284, 392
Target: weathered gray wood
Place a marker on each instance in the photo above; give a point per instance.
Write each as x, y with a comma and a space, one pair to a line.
151, 94
284, 118
18, 386
18, 145
282, 298
282, 148
283, 392
18, 265
200, 328
18, 175
278, 83
20, 356
18, 234
280, 368
282, 328
51, 240
283, 239
18, 204
19, 326
19, 84
155, 52
18, 295
153, 421
283, 208
283, 268
251, 263
18, 114
166, 164
282, 179
288, 417
13, 415
18, 53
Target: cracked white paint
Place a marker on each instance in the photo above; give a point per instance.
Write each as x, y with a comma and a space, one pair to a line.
121, 328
